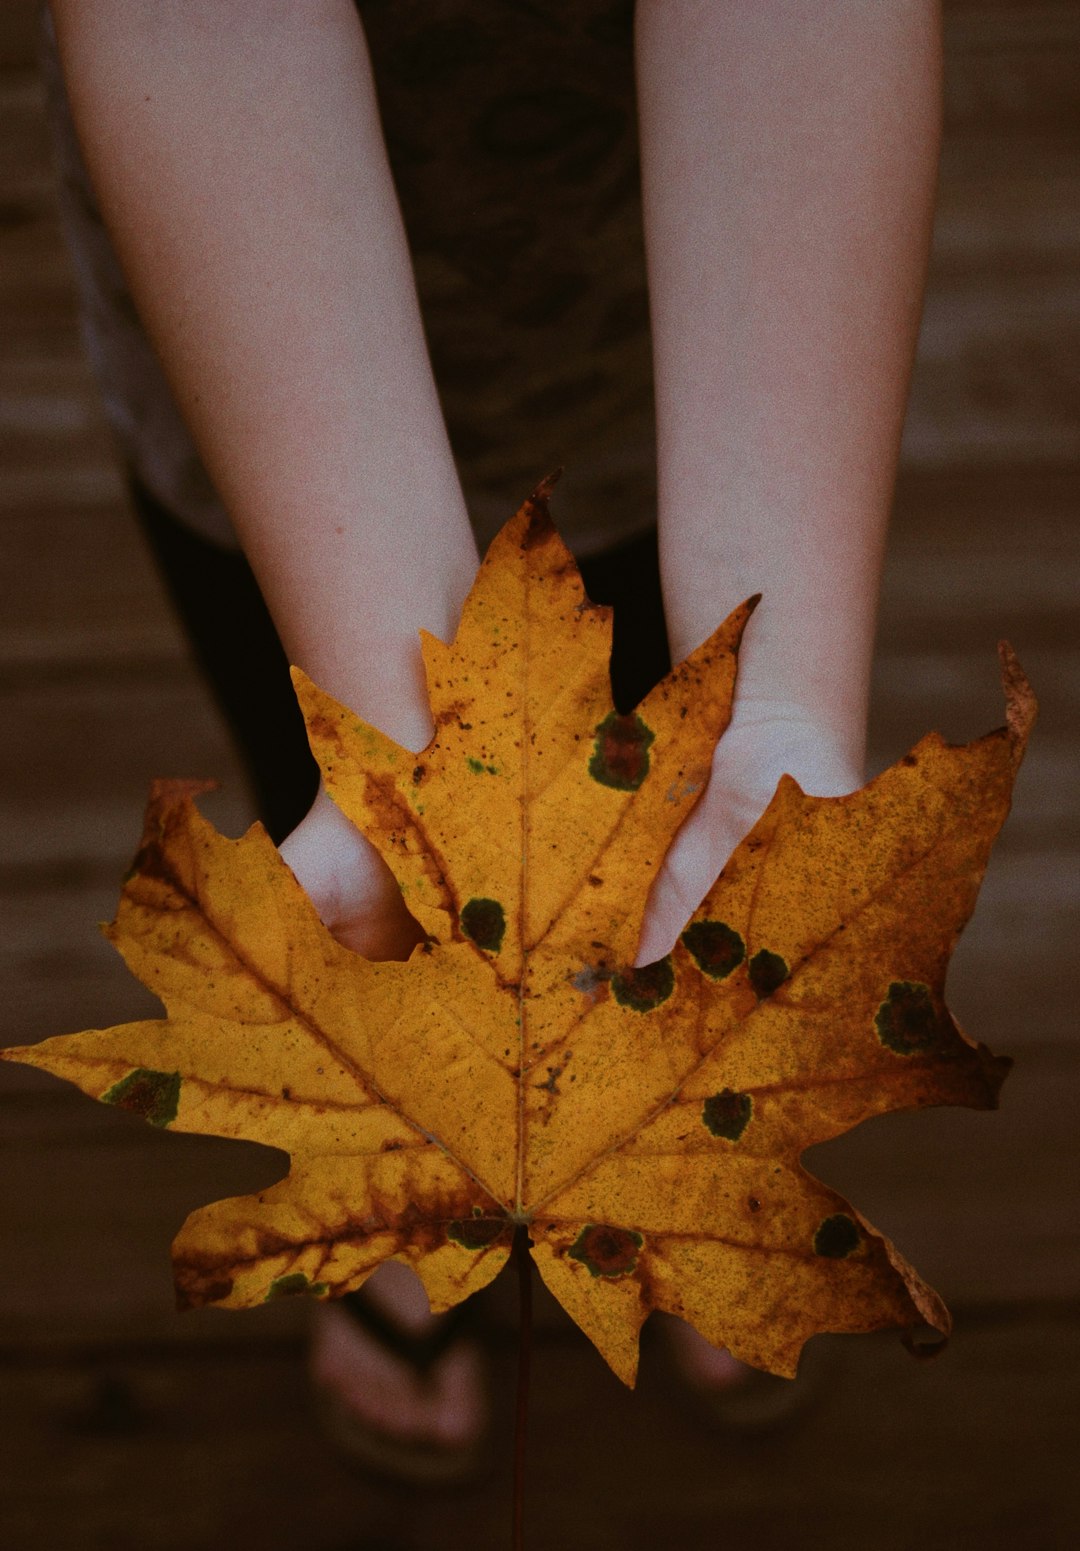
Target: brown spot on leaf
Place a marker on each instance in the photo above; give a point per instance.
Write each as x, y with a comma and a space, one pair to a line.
476, 1232
727, 1114
620, 757
907, 1020
645, 988
768, 971
605, 1251
837, 1237
484, 922
321, 728
153, 1095
715, 947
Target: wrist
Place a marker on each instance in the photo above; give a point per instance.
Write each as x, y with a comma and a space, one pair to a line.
829, 747
763, 743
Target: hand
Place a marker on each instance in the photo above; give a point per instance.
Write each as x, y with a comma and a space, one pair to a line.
350, 885
760, 746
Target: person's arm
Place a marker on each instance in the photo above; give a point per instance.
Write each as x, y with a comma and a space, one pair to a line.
236, 150
789, 162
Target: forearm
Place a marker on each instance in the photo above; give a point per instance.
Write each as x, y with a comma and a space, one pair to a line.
789, 162
236, 150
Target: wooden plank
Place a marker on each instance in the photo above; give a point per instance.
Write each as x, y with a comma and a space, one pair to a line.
1011, 64
970, 1451
995, 376
51, 419
221, 1449
86, 591
1008, 984
87, 1215
1006, 202
25, 153
74, 779
18, 33
61, 972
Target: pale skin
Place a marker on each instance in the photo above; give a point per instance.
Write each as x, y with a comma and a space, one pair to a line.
789, 152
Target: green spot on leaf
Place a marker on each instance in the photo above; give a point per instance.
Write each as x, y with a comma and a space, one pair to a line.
716, 948
605, 1251
645, 988
153, 1095
476, 1232
767, 971
907, 1020
727, 1113
294, 1285
837, 1237
478, 767
483, 921
620, 755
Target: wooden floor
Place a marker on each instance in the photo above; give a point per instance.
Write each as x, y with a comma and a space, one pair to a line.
124, 1427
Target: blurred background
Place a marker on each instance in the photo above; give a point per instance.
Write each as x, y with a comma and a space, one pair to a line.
123, 1425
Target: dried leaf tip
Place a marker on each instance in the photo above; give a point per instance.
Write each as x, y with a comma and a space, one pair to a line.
537, 526
547, 485
1021, 706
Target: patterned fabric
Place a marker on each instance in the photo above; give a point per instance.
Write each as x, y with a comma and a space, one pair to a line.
511, 131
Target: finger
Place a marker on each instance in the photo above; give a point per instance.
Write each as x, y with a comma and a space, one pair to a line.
351, 887
690, 869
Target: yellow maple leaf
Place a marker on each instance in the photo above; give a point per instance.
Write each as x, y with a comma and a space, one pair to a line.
646, 1125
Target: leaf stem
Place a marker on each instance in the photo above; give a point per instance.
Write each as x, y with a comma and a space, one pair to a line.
523, 1261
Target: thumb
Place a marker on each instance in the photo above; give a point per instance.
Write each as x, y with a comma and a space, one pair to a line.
693, 862
353, 890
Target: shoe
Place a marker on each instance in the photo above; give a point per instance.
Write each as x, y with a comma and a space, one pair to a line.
417, 1460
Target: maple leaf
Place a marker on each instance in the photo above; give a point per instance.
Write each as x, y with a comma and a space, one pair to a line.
645, 1124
